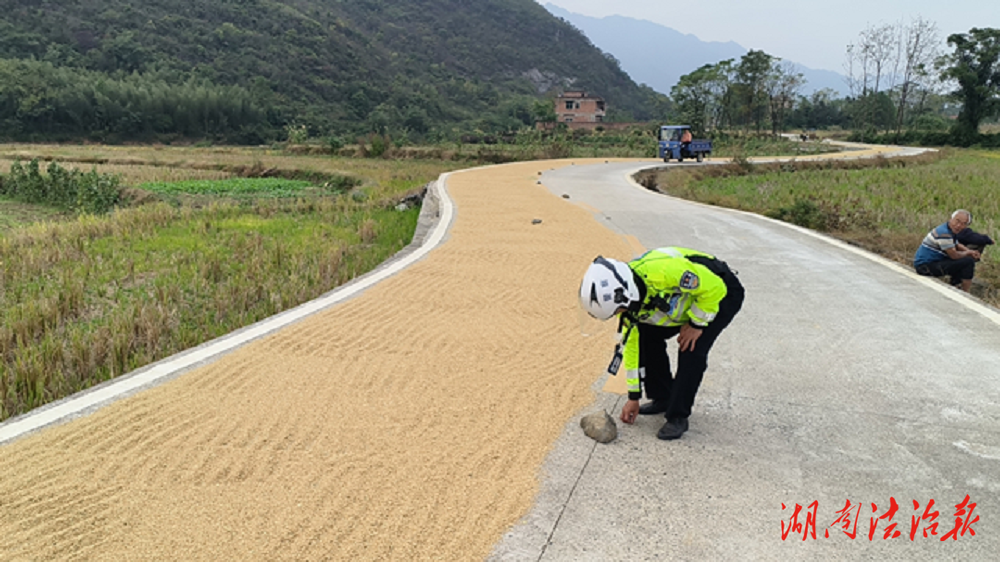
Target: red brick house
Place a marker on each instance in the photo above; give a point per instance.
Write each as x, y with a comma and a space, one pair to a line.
578, 107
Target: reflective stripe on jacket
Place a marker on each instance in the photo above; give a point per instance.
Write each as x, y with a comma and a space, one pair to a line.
678, 291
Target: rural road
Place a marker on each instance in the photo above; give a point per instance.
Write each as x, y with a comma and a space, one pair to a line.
843, 378
434, 415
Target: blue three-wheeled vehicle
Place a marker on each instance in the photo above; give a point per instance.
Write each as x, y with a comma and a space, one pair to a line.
674, 145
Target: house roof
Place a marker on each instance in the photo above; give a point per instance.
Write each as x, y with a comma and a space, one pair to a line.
579, 94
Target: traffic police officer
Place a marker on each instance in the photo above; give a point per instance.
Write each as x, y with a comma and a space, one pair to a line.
666, 292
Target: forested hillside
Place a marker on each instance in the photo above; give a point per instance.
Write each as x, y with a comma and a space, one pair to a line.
245, 69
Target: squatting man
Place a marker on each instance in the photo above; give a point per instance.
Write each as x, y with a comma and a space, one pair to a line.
666, 292
952, 249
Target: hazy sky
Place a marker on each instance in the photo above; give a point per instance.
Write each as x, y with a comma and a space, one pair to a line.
812, 33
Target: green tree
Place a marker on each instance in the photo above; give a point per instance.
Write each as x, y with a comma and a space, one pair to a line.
696, 96
751, 76
974, 66
544, 111
819, 111
782, 85
421, 67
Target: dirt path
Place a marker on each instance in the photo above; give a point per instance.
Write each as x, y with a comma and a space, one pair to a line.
408, 423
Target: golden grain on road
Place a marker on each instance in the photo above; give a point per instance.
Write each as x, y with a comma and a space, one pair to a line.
407, 423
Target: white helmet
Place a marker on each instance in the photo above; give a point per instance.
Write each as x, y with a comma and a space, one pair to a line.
607, 286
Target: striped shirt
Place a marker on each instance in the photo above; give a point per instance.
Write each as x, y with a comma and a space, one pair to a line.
935, 246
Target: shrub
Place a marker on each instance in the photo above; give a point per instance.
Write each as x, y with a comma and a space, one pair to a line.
296, 134
375, 146
648, 181
379, 145
740, 163
335, 143
67, 189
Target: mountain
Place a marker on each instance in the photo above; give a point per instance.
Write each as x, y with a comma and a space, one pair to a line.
658, 56
424, 66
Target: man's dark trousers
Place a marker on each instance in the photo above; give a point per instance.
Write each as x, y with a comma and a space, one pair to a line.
680, 390
958, 270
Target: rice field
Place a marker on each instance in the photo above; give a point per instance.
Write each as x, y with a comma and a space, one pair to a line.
135, 174
140, 164
85, 298
84, 301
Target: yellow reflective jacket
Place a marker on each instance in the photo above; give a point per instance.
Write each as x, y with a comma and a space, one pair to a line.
678, 291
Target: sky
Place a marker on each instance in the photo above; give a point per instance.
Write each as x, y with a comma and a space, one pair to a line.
813, 33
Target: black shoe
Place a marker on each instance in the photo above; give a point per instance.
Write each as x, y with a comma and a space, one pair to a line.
654, 407
673, 429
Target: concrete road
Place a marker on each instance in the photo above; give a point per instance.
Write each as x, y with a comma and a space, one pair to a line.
844, 381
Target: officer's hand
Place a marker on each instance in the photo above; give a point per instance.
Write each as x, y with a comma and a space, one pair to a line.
687, 336
629, 411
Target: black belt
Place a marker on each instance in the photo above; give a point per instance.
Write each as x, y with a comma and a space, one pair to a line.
715, 265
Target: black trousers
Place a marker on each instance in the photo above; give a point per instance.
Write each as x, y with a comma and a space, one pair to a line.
958, 270
657, 380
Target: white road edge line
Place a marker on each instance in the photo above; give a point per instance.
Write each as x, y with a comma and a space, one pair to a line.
69, 407
953, 294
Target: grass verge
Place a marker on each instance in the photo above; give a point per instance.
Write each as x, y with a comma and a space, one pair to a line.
885, 205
